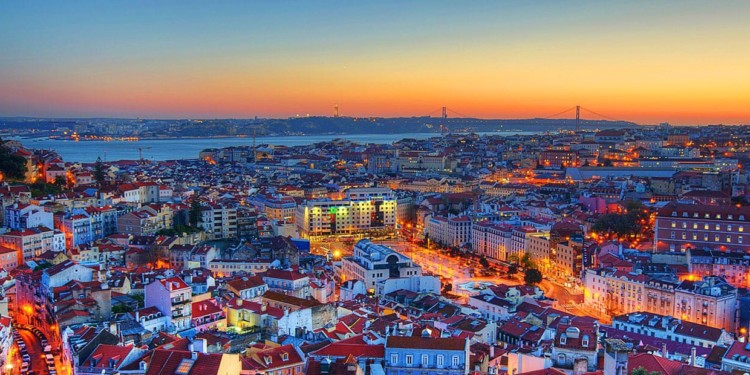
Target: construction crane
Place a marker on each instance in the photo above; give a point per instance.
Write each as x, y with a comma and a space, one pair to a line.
140, 152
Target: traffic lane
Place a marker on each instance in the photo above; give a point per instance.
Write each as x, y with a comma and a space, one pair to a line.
36, 352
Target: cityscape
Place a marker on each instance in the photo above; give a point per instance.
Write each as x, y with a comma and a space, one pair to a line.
244, 188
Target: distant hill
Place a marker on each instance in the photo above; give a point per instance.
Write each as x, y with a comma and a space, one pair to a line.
294, 126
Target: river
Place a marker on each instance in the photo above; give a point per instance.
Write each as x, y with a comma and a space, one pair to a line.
188, 148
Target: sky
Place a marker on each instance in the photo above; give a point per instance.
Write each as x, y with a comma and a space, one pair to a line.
683, 62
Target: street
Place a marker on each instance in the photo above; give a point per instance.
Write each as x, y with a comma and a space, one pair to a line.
36, 352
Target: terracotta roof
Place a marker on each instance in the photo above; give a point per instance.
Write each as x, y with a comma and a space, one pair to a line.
355, 346
410, 342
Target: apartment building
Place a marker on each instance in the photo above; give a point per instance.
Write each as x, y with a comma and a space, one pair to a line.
362, 210
173, 298
681, 226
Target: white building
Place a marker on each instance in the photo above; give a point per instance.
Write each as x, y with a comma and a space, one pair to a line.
173, 298
491, 240
23, 216
372, 263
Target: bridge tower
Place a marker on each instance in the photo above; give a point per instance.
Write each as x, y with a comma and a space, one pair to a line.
578, 118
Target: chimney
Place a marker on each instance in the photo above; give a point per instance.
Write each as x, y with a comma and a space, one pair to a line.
664, 352
492, 351
692, 357
137, 316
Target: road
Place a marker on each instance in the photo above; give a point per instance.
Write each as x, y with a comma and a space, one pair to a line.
38, 363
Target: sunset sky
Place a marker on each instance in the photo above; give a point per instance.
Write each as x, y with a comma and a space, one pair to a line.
684, 62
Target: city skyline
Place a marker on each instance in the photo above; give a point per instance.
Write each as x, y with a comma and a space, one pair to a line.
677, 62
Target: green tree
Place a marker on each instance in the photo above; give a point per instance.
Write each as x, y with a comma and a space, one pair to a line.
642, 371
484, 262
631, 222
60, 181
526, 261
194, 214
532, 276
512, 270
99, 171
119, 309
12, 167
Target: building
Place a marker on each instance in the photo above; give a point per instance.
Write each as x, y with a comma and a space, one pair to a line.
681, 226
207, 315
219, 221
491, 240
414, 354
248, 288
733, 266
24, 216
287, 282
363, 210
277, 207
32, 242
672, 329
558, 159
372, 263
173, 298
576, 344
710, 301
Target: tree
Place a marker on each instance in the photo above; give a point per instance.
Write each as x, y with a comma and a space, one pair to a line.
625, 224
195, 212
12, 167
99, 171
484, 262
60, 181
512, 270
119, 309
532, 276
526, 261
642, 371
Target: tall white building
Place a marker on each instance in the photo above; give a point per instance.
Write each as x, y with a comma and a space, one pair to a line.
372, 263
361, 210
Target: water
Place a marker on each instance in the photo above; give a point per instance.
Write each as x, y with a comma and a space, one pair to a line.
171, 149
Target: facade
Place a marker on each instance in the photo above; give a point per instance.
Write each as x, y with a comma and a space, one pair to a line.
361, 211
288, 282
683, 226
30, 243
24, 216
576, 344
372, 263
248, 288
710, 301
491, 240
673, 329
219, 221
172, 297
558, 159
412, 354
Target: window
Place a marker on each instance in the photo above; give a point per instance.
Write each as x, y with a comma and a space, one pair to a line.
409, 359
585, 341
705, 226
440, 360
718, 227
394, 359
563, 339
674, 224
425, 360
455, 361
560, 359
